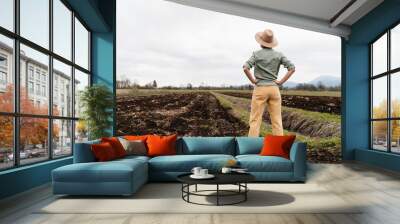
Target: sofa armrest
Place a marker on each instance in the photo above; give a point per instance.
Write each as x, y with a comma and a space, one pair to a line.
83, 152
298, 155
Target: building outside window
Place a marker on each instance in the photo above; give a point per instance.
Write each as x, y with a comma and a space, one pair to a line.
38, 89
43, 90
385, 97
30, 72
44, 77
30, 87
3, 72
34, 75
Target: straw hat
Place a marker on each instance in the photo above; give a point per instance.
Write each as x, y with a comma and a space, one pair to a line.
266, 38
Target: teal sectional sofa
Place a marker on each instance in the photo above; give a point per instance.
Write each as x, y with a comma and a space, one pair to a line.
125, 176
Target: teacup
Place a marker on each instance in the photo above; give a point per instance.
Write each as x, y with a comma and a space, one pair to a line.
203, 172
196, 171
226, 170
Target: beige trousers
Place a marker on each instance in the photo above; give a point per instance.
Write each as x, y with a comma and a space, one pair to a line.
265, 96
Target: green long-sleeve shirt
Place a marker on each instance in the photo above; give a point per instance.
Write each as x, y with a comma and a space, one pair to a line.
266, 62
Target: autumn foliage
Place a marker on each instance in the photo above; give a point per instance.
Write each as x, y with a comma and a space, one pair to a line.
380, 127
33, 131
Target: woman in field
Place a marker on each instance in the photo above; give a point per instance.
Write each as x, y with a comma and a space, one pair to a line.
266, 63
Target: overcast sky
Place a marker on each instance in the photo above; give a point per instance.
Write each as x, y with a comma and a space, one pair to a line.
176, 44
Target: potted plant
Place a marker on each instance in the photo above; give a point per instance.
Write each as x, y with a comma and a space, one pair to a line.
97, 102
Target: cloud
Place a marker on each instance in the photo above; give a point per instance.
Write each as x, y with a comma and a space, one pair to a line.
176, 45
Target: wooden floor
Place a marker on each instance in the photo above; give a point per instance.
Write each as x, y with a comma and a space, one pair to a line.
379, 189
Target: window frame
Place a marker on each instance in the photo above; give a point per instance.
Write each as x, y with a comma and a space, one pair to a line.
15, 72
388, 74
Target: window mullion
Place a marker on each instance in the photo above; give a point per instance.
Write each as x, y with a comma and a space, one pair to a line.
389, 104
73, 82
50, 81
16, 70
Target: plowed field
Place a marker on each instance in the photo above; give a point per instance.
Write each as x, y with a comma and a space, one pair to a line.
324, 104
190, 114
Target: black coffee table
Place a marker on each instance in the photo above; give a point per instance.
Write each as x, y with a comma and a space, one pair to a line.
238, 179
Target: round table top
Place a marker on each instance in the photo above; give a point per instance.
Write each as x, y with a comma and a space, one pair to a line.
220, 178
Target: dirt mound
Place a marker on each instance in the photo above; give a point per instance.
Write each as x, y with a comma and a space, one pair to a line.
325, 104
296, 122
190, 114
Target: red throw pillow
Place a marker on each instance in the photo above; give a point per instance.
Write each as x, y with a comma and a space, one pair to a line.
277, 145
161, 145
103, 152
116, 145
135, 137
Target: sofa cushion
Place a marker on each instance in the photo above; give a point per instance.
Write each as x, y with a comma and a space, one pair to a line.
248, 145
103, 152
257, 163
116, 145
185, 163
112, 171
277, 145
134, 147
207, 145
161, 145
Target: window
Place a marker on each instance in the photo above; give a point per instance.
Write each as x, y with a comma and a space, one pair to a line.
61, 75
33, 140
6, 142
37, 75
81, 82
37, 89
34, 21
30, 72
44, 91
30, 88
6, 73
3, 61
385, 97
62, 137
81, 45
45, 131
7, 14
62, 31
3, 78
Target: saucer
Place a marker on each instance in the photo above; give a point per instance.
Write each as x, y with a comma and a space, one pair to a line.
208, 176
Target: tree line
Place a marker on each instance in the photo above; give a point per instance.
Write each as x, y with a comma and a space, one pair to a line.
128, 84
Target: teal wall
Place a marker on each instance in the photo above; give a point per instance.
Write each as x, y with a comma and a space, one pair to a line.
355, 91
24, 178
103, 63
100, 17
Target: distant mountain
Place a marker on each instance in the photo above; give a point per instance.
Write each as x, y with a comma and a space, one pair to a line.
290, 84
326, 80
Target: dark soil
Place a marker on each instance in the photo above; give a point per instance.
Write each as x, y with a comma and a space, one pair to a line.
189, 114
294, 121
324, 156
325, 104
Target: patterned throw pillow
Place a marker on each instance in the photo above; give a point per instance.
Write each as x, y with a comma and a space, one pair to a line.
134, 147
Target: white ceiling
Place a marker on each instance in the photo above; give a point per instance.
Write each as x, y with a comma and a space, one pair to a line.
321, 9
315, 15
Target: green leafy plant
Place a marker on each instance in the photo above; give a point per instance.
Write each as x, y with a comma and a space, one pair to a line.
97, 104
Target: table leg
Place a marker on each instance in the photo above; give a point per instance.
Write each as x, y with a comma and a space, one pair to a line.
245, 193
217, 194
195, 188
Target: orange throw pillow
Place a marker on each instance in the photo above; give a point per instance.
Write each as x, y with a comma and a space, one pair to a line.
103, 152
277, 145
135, 137
116, 145
161, 145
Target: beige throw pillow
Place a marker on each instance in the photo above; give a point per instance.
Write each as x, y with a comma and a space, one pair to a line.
136, 147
